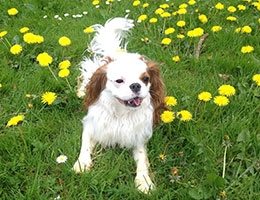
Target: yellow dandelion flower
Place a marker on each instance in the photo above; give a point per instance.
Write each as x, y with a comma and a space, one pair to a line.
241, 7
153, 20
231, 9
170, 101
169, 31
191, 2
64, 64
167, 116
226, 90
203, 18
89, 30
238, 30
39, 39
190, 33
181, 23
1, 85
3, 33
12, 11
197, 32
166, 41
95, 2
48, 97
246, 29
176, 59
136, 3
15, 120
64, 41
63, 73
216, 28
159, 11
219, 6
16, 49
182, 11
175, 13
162, 156
183, 5
184, 115
256, 4
205, 96
165, 14
31, 38
247, 49
142, 17
180, 36
28, 96
256, 78
145, 5
24, 30
44, 59
164, 6
221, 100
231, 18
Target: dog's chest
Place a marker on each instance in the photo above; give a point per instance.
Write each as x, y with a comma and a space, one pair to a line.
126, 130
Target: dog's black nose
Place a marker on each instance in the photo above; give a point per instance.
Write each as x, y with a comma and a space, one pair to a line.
135, 87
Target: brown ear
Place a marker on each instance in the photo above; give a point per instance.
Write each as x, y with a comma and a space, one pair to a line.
95, 86
157, 91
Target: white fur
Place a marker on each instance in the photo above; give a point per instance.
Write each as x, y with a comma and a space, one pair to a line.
113, 125
129, 68
109, 122
108, 41
109, 37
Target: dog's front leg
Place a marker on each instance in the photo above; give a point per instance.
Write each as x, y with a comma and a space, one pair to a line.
84, 161
142, 180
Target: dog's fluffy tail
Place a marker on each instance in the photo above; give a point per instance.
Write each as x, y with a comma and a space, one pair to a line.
107, 42
109, 38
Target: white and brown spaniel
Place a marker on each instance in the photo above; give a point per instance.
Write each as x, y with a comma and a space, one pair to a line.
124, 95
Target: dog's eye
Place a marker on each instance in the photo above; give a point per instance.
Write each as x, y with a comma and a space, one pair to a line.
119, 81
145, 79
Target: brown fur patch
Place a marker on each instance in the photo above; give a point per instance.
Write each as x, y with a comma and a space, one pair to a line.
95, 86
157, 91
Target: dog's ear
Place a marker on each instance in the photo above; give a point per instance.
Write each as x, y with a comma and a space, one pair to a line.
157, 91
95, 86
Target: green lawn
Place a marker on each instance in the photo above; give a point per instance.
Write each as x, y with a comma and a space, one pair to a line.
215, 155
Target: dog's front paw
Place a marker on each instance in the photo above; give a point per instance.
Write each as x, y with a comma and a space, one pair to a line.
144, 184
80, 166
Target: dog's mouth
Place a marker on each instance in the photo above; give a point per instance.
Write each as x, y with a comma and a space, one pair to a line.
135, 102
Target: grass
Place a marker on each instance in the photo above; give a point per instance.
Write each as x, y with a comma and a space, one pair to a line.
213, 156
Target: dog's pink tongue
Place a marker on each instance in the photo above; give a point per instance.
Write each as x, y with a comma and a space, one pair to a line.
137, 101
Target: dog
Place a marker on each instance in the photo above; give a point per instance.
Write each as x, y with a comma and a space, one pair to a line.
124, 96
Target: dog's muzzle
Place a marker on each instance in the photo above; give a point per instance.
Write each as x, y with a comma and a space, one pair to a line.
135, 102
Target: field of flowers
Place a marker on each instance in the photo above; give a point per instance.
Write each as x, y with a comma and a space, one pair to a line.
208, 144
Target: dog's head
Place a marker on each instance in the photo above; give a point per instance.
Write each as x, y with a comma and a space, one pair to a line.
129, 80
